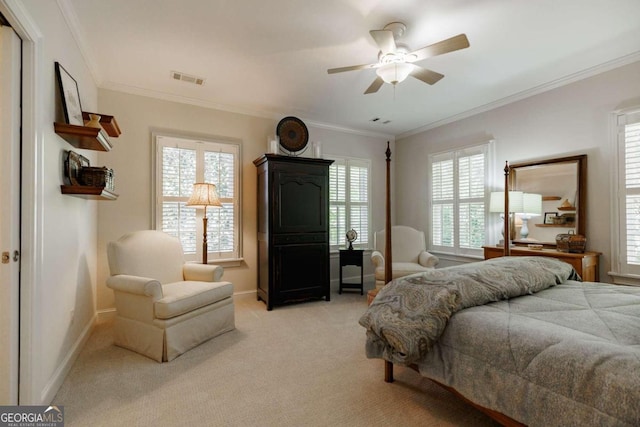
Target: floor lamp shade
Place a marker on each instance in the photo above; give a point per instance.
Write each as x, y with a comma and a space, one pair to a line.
204, 195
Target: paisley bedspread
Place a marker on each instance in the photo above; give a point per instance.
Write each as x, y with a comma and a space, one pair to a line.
409, 314
520, 336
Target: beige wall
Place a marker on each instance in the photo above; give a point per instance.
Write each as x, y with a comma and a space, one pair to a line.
132, 161
573, 119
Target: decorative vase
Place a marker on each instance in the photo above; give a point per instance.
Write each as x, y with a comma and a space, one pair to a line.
94, 121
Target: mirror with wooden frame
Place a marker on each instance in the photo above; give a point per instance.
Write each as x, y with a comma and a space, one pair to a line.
562, 183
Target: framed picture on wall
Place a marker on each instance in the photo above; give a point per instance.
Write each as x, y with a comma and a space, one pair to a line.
548, 217
70, 96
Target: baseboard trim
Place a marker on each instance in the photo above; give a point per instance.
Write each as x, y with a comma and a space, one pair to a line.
53, 385
105, 315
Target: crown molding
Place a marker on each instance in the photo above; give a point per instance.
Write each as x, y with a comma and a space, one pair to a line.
273, 115
571, 78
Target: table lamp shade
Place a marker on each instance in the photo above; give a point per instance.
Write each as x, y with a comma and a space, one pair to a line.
531, 204
496, 202
204, 195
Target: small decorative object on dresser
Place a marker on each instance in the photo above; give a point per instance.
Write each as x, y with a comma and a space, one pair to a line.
571, 242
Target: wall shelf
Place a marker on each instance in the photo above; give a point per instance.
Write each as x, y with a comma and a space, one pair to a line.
84, 137
87, 191
567, 225
107, 122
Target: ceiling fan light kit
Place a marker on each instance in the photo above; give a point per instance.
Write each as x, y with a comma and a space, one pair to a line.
395, 60
394, 72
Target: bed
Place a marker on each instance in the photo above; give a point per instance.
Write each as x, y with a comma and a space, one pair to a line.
521, 338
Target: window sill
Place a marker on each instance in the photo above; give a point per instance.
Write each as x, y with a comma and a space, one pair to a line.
625, 279
457, 258
229, 262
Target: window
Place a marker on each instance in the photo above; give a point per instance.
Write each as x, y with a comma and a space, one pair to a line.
458, 200
349, 201
626, 238
183, 161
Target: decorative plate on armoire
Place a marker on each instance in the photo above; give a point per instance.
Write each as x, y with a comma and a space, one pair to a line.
293, 135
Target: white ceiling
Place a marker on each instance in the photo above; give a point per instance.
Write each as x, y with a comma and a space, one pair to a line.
269, 57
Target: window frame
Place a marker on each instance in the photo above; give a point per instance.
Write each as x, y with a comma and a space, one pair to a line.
622, 272
198, 142
486, 149
348, 161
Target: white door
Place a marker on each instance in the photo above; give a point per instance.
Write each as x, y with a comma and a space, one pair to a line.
10, 59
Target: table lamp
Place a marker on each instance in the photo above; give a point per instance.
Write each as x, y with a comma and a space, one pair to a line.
204, 195
496, 204
531, 206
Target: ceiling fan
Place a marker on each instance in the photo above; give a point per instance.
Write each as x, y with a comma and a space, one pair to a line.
395, 60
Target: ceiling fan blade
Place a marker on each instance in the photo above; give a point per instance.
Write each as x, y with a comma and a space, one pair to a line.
377, 83
385, 41
445, 46
351, 68
427, 76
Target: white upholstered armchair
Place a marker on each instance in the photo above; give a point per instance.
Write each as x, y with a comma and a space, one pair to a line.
408, 252
164, 305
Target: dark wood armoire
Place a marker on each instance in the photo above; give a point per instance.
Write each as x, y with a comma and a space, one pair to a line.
293, 229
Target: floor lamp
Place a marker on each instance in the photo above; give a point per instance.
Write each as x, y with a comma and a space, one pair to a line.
204, 195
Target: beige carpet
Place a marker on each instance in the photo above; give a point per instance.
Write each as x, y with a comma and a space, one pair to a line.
298, 365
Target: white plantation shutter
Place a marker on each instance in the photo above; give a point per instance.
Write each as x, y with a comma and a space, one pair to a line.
471, 189
181, 162
337, 201
629, 192
458, 182
219, 169
349, 206
442, 210
178, 176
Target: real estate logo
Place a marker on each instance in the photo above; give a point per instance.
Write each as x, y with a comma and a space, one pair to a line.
31, 416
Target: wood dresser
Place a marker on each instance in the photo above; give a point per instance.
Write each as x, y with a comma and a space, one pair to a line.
586, 264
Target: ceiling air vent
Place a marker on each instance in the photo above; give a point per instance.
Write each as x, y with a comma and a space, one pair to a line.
176, 75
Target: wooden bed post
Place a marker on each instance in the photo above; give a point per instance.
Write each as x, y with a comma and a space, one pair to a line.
388, 256
507, 218
388, 272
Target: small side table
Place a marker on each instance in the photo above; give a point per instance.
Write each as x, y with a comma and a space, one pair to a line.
352, 257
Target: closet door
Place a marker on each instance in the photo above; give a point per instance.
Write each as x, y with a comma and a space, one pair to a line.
10, 65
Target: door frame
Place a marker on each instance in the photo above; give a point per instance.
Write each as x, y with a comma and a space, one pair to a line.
32, 237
